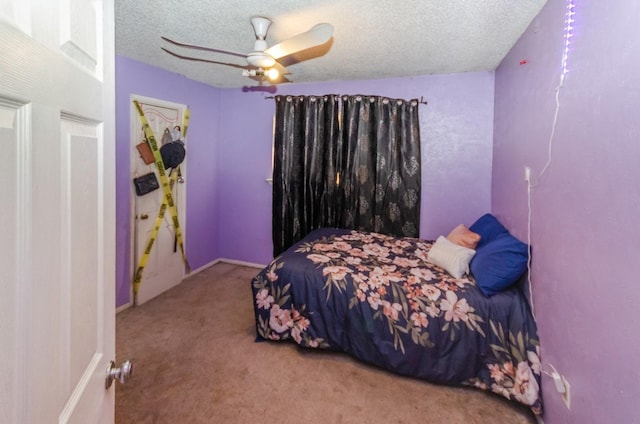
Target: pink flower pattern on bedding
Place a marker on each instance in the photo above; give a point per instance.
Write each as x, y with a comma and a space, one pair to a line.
377, 298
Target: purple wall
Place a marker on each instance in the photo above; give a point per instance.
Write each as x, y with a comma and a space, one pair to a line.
133, 77
456, 132
584, 209
230, 143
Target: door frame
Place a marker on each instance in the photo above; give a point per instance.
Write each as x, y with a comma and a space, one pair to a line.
181, 203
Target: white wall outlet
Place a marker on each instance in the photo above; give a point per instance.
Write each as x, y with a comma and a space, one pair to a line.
557, 380
566, 396
527, 174
562, 386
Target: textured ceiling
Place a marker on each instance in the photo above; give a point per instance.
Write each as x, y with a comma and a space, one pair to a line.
372, 38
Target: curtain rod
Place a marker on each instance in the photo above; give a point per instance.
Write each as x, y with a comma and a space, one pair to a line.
422, 101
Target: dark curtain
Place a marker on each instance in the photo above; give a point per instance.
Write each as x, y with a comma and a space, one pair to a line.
306, 140
380, 165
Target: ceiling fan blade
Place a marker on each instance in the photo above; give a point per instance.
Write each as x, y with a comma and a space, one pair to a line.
208, 49
281, 79
317, 35
281, 69
197, 59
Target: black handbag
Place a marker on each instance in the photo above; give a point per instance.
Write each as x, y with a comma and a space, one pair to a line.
146, 183
172, 154
172, 150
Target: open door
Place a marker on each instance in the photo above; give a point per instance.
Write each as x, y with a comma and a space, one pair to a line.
57, 309
165, 267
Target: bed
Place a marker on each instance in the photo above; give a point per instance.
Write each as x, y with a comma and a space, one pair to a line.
379, 299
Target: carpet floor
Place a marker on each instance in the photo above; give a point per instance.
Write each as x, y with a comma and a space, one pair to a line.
195, 361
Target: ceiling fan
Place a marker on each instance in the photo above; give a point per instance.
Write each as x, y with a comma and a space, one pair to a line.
263, 61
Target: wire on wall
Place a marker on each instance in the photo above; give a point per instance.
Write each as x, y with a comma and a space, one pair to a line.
568, 35
533, 312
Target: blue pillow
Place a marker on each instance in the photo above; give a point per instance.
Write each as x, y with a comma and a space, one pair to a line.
489, 229
499, 264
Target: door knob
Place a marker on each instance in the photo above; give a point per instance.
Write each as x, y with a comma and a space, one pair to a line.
122, 374
144, 216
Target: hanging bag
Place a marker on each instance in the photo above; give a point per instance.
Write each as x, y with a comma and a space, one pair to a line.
172, 150
145, 152
146, 183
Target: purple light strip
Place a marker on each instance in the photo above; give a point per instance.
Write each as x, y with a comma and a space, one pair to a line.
568, 34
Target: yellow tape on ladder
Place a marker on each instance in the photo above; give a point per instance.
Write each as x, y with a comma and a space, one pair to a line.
167, 184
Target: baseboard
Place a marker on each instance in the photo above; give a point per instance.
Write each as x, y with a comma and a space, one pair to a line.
202, 268
228, 261
243, 263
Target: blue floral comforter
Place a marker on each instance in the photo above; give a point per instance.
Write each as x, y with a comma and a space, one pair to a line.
377, 298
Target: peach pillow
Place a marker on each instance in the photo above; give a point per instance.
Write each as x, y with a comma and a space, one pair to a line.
462, 236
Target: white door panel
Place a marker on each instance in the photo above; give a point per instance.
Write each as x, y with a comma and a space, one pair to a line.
57, 332
81, 250
11, 364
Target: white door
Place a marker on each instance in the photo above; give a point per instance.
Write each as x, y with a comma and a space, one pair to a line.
165, 267
57, 144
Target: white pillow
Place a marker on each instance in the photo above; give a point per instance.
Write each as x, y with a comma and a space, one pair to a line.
450, 256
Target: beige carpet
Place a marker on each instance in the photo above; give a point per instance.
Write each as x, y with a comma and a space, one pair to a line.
195, 361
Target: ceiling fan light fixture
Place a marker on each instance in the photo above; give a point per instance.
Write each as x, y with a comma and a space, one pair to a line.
272, 74
260, 60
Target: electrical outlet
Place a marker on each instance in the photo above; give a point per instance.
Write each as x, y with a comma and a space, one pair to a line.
557, 380
566, 396
527, 174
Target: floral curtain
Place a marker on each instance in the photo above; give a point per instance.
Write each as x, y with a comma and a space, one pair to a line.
380, 165
304, 174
